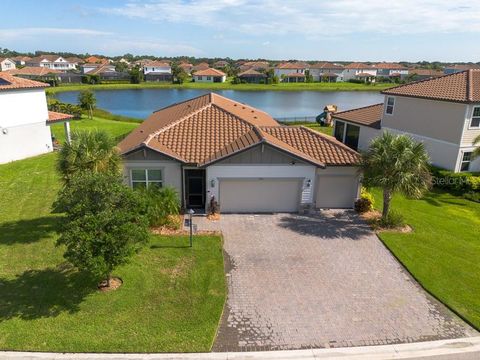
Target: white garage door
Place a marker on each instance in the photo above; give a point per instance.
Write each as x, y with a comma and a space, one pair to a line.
336, 191
259, 195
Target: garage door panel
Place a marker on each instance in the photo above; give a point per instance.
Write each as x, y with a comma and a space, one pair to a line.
336, 191
259, 195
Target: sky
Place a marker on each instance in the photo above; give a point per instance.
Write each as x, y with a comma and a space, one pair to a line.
342, 30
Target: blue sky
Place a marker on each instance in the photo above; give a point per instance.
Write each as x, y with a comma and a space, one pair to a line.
350, 30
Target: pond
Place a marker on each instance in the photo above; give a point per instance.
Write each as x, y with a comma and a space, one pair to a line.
140, 103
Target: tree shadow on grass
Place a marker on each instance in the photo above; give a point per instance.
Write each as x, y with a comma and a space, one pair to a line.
436, 199
328, 225
44, 293
28, 231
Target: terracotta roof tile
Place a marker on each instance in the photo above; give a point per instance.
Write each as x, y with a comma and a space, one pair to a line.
33, 70
369, 115
54, 117
10, 82
290, 65
326, 65
251, 72
210, 127
357, 65
157, 64
463, 87
389, 66
210, 72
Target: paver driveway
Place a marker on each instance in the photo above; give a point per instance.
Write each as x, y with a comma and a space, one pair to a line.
319, 281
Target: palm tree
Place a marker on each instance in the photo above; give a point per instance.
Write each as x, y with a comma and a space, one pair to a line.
93, 151
87, 101
396, 163
476, 152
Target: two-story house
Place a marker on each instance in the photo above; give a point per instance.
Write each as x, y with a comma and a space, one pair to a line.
443, 113
6, 64
157, 71
291, 71
391, 70
52, 62
326, 71
25, 119
359, 71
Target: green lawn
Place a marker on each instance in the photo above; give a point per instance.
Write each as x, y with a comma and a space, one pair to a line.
443, 251
317, 86
171, 299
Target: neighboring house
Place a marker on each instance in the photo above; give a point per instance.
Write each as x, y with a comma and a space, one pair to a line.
201, 66
391, 70
291, 72
21, 60
254, 65
209, 75
36, 73
75, 61
187, 67
108, 72
89, 68
326, 71
423, 74
52, 62
452, 69
6, 64
359, 71
252, 77
157, 67
213, 148
97, 60
220, 64
443, 113
25, 119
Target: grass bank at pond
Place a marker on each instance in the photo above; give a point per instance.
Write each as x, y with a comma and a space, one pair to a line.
339, 86
171, 299
443, 251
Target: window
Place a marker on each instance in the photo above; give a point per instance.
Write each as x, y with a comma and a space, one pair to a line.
199, 78
339, 130
209, 78
351, 136
142, 178
466, 160
390, 105
475, 123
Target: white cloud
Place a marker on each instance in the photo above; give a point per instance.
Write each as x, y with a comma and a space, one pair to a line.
313, 18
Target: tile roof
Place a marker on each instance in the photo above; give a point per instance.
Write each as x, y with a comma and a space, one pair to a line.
389, 66
210, 72
54, 117
34, 70
326, 65
157, 64
463, 87
210, 127
201, 66
357, 65
38, 59
251, 72
463, 66
292, 65
368, 115
10, 82
426, 72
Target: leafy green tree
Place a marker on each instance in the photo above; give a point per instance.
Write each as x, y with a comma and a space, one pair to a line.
87, 101
179, 75
104, 223
136, 75
121, 66
88, 151
476, 152
396, 163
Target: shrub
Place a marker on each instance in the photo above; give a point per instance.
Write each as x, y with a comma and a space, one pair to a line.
162, 205
459, 183
365, 202
472, 196
393, 220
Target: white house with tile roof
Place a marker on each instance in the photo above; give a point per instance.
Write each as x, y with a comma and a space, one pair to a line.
213, 147
52, 62
24, 119
443, 113
7, 64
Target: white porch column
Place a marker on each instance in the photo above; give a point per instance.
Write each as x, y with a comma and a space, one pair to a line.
66, 126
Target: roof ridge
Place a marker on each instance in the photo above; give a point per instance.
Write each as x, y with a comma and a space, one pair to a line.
420, 81
469, 81
329, 138
181, 102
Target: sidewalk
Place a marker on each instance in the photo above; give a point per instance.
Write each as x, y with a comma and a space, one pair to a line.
454, 349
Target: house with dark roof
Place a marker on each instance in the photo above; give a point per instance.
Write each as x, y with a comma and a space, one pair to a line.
252, 76
24, 119
211, 148
443, 113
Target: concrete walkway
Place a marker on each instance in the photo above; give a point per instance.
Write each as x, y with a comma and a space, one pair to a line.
457, 349
323, 281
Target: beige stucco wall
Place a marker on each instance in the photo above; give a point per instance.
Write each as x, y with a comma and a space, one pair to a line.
439, 120
261, 154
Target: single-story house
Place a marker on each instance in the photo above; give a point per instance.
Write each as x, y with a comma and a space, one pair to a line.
36, 73
252, 76
25, 119
209, 75
211, 148
6, 64
21, 60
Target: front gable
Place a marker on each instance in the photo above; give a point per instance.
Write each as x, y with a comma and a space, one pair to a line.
261, 154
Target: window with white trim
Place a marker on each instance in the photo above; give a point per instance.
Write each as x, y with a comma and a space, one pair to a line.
466, 160
390, 105
142, 178
475, 122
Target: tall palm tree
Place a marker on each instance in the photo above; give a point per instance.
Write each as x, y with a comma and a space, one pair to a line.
87, 101
93, 151
396, 163
476, 152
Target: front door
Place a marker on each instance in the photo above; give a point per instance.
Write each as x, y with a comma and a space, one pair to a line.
195, 189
